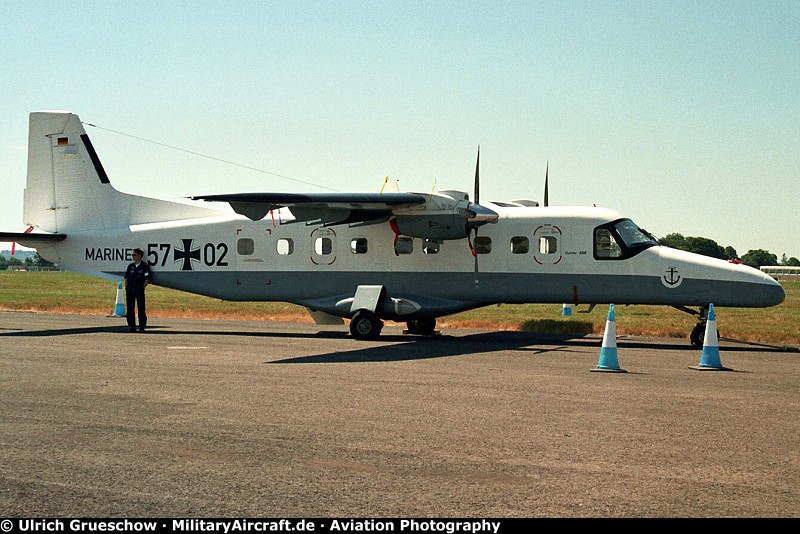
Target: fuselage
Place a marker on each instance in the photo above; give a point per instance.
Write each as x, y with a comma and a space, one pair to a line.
529, 255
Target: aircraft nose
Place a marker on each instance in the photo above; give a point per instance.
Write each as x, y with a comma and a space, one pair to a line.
773, 294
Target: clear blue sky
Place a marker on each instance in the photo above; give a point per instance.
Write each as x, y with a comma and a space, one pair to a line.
684, 115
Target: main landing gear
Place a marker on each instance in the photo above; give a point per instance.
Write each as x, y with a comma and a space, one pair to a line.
699, 331
366, 326
370, 303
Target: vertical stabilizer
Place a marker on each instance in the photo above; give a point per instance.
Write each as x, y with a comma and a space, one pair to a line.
68, 190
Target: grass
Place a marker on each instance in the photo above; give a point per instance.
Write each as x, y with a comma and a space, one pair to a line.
61, 292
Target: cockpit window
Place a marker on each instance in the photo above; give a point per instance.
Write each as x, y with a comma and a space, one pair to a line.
620, 240
605, 246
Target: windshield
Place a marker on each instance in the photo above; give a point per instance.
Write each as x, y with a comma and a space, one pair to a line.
621, 239
632, 236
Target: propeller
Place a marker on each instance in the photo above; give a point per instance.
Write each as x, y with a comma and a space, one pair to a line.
477, 202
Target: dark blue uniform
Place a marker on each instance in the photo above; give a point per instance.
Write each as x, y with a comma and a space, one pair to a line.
135, 278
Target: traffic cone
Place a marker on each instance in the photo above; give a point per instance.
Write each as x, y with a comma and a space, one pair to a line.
566, 310
709, 360
119, 308
608, 353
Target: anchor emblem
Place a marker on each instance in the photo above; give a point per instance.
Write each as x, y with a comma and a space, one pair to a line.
672, 279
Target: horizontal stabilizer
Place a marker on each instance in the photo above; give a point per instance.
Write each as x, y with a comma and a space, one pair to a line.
24, 239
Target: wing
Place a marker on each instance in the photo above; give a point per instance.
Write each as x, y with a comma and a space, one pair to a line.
324, 208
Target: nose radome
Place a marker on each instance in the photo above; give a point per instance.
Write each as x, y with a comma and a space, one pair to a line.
772, 292
775, 293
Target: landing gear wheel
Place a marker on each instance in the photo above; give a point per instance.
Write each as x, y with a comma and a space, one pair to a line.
697, 335
365, 325
421, 327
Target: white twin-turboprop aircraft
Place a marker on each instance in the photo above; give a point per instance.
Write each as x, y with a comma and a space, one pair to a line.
367, 257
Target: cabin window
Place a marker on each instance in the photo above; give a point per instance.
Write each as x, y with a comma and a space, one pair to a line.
548, 244
323, 246
430, 246
605, 246
245, 246
404, 245
358, 245
519, 245
482, 245
285, 246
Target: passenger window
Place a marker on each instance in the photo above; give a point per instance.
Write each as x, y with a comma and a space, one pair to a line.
548, 244
605, 246
482, 245
285, 246
430, 246
245, 246
359, 245
323, 246
404, 245
519, 245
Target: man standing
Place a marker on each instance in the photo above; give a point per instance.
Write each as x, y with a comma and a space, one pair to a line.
137, 277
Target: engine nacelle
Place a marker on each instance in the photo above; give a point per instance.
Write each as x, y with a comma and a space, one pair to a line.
448, 215
433, 226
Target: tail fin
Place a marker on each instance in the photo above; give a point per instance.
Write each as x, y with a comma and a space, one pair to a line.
68, 190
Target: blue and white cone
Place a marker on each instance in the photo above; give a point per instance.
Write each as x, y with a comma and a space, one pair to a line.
608, 352
119, 308
566, 310
710, 360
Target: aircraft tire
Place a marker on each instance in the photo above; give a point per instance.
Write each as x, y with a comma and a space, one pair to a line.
421, 327
365, 325
697, 337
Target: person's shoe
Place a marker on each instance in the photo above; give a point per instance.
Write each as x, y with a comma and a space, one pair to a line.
141, 330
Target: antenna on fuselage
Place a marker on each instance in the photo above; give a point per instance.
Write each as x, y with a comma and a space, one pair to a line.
546, 171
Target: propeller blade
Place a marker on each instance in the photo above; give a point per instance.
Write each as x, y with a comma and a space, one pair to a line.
477, 201
477, 179
475, 255
547, 169
469, 242
476, 260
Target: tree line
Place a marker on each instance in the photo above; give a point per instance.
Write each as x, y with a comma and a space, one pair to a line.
708, 247
34, 260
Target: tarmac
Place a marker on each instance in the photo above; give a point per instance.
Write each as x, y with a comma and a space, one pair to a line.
208, 418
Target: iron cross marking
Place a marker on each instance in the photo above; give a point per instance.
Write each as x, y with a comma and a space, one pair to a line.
187, 255
672, 277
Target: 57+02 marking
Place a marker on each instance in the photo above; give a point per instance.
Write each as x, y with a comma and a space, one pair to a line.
212, 254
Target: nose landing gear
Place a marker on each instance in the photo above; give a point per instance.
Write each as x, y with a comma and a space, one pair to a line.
699, 330
698, 333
